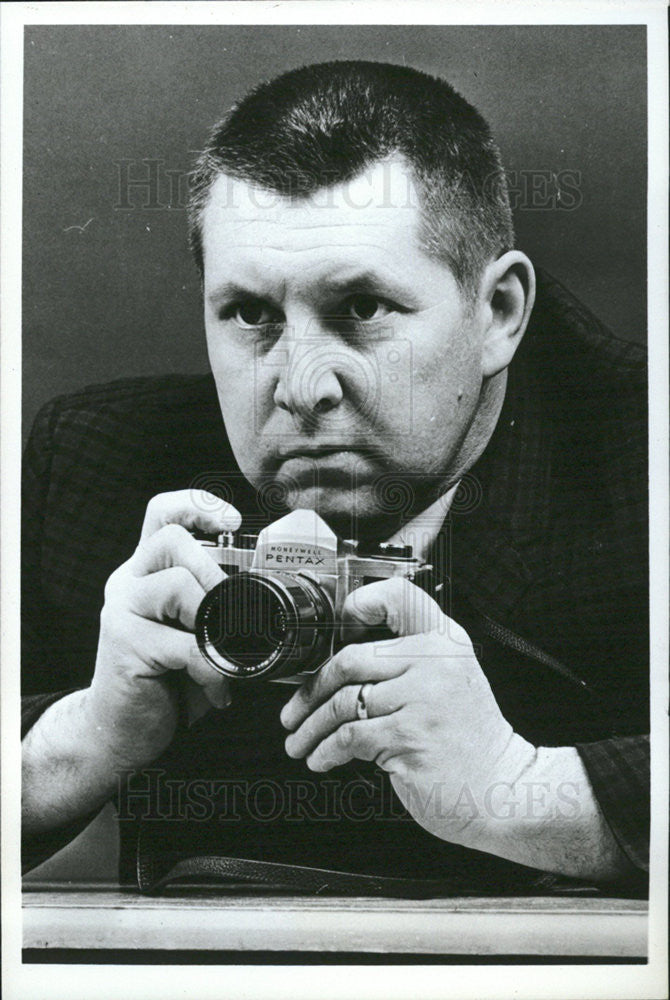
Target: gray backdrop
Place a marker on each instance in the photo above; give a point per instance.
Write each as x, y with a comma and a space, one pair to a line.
120, 296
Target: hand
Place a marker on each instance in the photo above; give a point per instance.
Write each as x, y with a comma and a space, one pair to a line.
146, 628
433, 723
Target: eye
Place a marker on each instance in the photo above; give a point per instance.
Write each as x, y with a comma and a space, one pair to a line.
363, 308
252, 313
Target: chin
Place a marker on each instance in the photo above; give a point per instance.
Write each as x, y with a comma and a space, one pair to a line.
350, 514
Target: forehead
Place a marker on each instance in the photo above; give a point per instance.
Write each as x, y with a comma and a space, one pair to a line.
375, 213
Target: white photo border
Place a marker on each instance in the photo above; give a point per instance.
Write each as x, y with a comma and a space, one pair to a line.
417, 981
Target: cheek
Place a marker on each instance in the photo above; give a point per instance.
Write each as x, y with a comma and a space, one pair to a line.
439, 394
236, 389
233, 370
446, 395
447, 378
243, 428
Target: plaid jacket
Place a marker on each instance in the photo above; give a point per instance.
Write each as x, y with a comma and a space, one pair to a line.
544, 551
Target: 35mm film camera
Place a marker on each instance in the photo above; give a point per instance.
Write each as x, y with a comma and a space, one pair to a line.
277, 615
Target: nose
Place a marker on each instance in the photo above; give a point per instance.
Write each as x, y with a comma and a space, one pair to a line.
309, 382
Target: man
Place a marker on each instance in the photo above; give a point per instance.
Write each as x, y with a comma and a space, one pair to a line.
364, 311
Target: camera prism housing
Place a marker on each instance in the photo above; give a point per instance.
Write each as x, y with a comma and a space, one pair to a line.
278, 613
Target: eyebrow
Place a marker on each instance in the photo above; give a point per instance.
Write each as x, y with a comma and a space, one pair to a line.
366, 281
370, 281
229, 291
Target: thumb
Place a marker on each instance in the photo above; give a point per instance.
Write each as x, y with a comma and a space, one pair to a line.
395, 603
200, 699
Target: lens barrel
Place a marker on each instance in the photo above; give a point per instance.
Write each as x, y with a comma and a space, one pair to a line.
260, 625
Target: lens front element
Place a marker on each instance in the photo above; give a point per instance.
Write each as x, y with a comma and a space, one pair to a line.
255, 625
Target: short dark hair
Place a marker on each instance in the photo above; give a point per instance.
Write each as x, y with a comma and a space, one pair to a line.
323, 124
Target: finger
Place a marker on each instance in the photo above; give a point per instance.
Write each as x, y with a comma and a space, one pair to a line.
192, 509
354, 664
396, 603
218, 692
169, 595
364, 740
381, 699
175, 595
163, 648
174, 546
199, 699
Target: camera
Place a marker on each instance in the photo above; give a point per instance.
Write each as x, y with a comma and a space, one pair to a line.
277, 615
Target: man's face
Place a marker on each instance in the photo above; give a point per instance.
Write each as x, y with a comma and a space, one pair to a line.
347, 362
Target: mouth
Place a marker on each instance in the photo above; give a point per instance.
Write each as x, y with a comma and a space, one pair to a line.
330, 464
316, 451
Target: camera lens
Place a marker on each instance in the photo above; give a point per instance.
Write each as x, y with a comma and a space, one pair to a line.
255, 625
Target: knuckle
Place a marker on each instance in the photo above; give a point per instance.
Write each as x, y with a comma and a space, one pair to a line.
117, 585
111, 588
157, 503
344, 737
173, 533
153, 504
338, 670
331, 674
344, 663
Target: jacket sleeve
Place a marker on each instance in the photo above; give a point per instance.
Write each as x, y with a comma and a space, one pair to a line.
37, 686
618, 770
35, 475
611, 587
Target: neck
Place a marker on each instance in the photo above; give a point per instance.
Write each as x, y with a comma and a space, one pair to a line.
482, 427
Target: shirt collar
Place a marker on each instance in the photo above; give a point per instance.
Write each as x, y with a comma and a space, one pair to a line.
423, 529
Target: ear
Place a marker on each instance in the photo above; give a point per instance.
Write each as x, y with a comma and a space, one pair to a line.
507, 293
